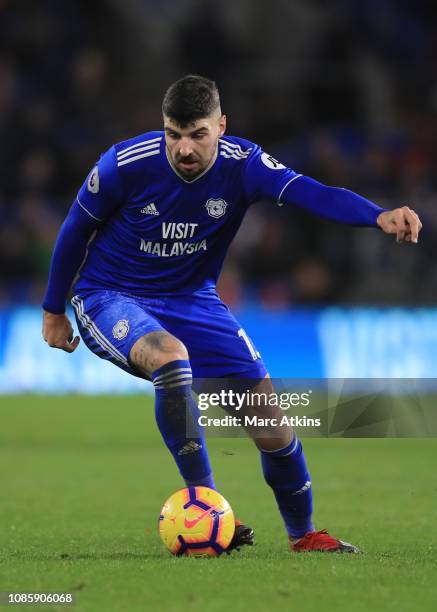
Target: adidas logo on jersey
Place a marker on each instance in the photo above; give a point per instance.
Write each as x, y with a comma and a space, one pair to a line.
150, 209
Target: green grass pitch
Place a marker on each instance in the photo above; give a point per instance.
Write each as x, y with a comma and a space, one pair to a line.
83, 480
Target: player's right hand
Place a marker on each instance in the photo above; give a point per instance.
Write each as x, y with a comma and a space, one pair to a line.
57, 331
403, 222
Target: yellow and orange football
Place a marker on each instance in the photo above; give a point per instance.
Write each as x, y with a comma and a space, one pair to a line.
197, 522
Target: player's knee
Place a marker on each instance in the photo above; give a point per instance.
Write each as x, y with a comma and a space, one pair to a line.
176, 353
154, 350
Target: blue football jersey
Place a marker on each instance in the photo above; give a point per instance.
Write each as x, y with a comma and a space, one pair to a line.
161, 234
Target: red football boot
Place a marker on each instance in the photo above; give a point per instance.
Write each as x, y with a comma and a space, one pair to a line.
321, 541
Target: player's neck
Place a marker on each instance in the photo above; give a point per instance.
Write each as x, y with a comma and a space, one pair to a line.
198, 176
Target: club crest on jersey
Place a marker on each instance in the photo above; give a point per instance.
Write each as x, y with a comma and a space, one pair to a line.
120, 329
216, 208
94, 180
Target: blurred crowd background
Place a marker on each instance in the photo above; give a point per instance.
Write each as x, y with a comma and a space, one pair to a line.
345, 92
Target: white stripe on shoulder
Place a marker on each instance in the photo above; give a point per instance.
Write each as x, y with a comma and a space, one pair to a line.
234, 146
132, 159
285, 187
87, 211
231, 156
147, 147
139, 144
225, 147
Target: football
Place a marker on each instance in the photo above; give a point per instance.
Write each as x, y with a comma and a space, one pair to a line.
196, 522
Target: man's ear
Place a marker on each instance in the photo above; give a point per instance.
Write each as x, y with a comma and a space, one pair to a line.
222, 125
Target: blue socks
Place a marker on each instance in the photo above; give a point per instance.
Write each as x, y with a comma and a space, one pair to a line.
286, 472
176, 414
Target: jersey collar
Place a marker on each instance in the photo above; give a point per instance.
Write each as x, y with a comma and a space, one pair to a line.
210, 165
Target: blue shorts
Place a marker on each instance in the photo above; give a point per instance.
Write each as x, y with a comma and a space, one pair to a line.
111, 322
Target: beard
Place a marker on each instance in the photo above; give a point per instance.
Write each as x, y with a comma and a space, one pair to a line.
191, 166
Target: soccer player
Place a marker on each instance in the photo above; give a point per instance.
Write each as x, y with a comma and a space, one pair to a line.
147, 236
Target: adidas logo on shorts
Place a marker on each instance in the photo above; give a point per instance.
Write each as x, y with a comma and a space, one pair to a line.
150, 209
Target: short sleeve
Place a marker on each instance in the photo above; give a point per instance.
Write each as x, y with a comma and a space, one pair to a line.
265, 177
101, 194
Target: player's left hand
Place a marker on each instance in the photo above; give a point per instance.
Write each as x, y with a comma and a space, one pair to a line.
403, 222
